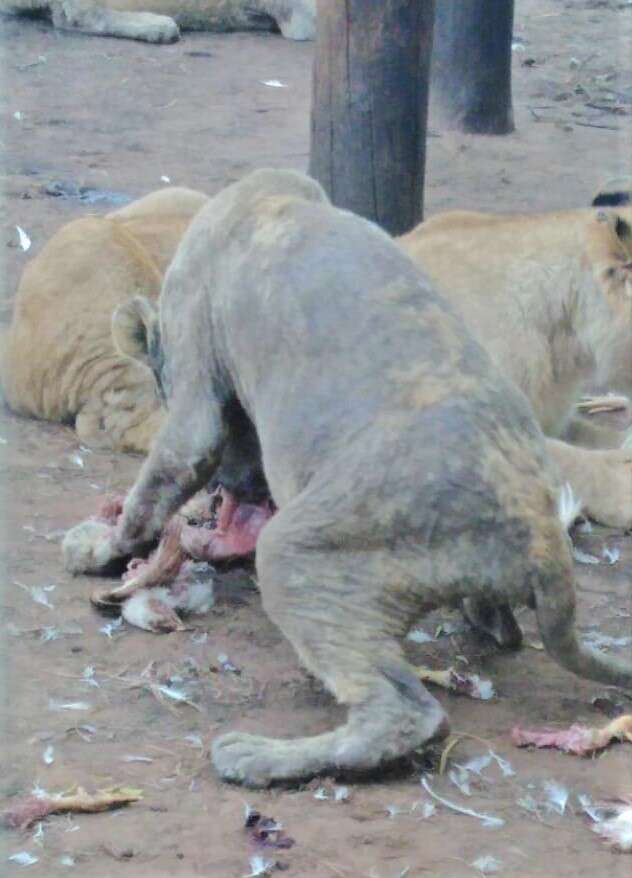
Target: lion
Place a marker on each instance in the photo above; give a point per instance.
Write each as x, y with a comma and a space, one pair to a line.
547, 294
59, 362
160, 21
407, 471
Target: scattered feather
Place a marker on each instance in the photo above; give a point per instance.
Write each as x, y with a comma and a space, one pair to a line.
447, 629
18, 115
38, 835
584, 557
605, 641
418, 635
165, 179
489, 821
579, 740
260, 866
341, 794
612, 556
487, 865
24, 858
612, 821
424, 809
53, 704
48, 756
460, 778
557, 796
137, 759
504, 765
273, 83
51, 536
25, 241
226, 665
78, 460
194, 741
395, 810
86, 732
39, 593
459, 682
479, 763
199, 638
112, 628
173, 693
88, 676
617, 830
593, 811
67, 860
321, 794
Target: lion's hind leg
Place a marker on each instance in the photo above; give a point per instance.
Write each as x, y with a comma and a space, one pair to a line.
335, 610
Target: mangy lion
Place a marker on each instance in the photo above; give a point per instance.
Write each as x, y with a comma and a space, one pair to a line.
548, 295
160, 21
408, 472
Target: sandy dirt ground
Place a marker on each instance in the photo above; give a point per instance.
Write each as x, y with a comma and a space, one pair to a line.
119, 116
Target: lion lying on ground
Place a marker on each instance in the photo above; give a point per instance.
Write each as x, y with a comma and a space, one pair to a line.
59, 362
160, 21
549, 296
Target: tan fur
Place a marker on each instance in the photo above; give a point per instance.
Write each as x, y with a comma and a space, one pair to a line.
385, 510
550, 298
59, 361
159, 21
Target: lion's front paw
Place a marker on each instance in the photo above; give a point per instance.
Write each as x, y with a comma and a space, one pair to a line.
250, 760
89, 547
156, 28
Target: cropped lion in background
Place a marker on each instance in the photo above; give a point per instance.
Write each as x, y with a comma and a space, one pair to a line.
59, 362
549, 296
160, 21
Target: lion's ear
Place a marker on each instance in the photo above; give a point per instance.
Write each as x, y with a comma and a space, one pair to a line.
136, 331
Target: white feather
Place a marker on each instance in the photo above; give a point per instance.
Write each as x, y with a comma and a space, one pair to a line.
568, 506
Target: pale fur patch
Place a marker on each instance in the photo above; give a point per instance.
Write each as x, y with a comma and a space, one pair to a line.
569, 506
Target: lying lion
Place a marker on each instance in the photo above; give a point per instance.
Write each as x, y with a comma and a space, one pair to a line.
59, 361
160, 21
547, 294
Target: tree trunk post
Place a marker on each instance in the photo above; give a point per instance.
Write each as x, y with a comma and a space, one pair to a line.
471, 66
370, 105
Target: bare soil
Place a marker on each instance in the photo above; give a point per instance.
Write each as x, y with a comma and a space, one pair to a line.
118, 116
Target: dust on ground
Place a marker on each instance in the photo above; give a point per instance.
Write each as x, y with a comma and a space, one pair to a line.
119, 116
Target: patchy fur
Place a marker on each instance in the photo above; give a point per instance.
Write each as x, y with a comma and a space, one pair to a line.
407, 475
160, 21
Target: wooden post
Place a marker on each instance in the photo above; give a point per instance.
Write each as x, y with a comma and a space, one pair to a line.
471, 66
369, 107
